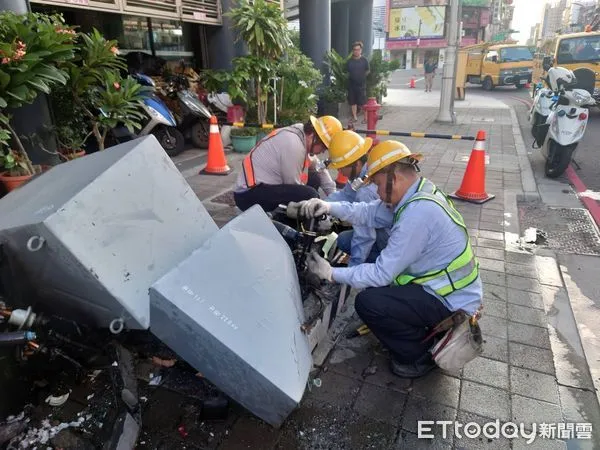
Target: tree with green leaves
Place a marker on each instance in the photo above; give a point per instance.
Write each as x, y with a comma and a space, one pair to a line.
98, 89
34, 49
262, 26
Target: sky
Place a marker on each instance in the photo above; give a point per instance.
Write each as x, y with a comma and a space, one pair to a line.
527, 14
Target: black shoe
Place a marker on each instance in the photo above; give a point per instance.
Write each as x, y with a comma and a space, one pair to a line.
417, 369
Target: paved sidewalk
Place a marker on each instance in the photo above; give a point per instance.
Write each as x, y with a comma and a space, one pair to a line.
524, 375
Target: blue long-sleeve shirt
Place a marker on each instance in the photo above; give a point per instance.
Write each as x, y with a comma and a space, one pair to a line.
363, 238
424, 239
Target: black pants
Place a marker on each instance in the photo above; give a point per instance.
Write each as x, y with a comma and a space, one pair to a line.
357, 94
400, 317
269, 196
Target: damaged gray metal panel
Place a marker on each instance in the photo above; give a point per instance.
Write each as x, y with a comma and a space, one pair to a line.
113, 223
233, 310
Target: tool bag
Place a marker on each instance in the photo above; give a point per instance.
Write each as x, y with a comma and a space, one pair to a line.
461, 343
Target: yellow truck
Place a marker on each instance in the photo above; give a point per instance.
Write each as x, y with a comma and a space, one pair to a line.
571, 51
494, 64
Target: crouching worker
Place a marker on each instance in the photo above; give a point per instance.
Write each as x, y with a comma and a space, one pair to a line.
426, 272
348, 153
282, 168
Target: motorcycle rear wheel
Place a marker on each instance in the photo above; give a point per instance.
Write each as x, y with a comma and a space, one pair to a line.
559, 158
200, 134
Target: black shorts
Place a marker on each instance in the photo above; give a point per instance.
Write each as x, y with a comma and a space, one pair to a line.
357, 94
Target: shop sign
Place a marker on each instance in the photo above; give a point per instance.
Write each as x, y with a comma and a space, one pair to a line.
417, 23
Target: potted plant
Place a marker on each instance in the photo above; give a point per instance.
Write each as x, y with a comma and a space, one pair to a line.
243, 139
337, 90
70, 129
14, 169
71, 141
379, 75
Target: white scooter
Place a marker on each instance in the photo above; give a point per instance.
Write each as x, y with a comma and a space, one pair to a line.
539, 112
567, 120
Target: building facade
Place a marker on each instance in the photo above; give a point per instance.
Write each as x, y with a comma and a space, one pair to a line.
191, 30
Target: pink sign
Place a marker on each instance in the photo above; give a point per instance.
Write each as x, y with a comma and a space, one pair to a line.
425, 43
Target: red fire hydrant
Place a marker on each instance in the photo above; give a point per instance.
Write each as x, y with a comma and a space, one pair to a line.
372, 110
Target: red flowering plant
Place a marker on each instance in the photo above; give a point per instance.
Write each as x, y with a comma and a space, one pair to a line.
34, 49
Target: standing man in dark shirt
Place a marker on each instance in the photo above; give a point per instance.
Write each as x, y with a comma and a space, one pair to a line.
358, 69
430, 67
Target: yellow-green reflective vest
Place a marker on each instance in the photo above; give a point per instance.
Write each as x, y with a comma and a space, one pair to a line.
463, 270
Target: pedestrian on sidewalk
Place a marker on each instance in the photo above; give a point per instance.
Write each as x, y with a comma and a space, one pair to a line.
430, 68
426, 272
358, 68
282, 168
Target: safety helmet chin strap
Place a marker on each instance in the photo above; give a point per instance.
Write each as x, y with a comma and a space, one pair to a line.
354, 172
390, 179
315, 141
389, 184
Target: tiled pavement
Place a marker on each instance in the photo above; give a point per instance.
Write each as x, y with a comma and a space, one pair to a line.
524, 375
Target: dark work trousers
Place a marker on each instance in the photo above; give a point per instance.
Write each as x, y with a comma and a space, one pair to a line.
269, 196
400, 317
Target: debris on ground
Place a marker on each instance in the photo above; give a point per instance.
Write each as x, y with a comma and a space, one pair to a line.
371, 370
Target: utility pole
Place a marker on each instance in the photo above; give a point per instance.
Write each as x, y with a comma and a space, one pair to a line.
446, 113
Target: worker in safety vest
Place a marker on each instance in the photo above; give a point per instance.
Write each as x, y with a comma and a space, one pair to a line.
282, 168
348, 154
425, 273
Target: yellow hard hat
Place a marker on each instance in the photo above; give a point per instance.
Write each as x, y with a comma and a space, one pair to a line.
346, 148
326, 127
389, 152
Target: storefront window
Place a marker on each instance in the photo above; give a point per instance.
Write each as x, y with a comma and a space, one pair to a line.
172, 39
134, 34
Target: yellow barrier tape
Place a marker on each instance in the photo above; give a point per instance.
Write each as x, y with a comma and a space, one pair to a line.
268, 125
415, 134
238, 124
382, 132
456, 136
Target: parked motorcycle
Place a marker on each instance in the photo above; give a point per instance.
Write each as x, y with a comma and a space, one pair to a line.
191, 114
568, 118
161, 122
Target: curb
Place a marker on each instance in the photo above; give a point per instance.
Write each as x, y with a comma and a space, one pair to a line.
590, 204
527, 177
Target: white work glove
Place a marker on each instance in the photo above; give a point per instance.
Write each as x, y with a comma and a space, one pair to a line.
314, 207
293, 209
318, 266
313, 161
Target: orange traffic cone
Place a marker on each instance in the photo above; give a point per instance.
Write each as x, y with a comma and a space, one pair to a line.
412, 82
472, 188
216, 162
341, 180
